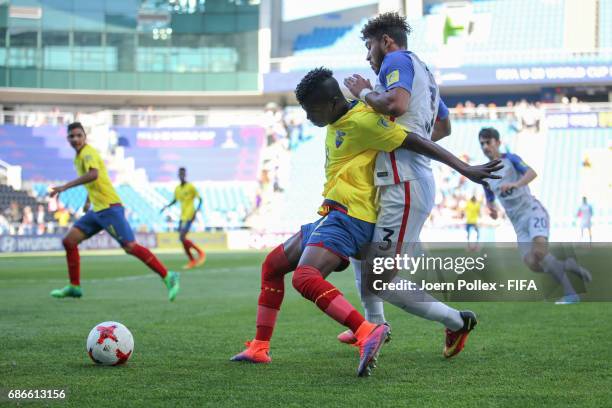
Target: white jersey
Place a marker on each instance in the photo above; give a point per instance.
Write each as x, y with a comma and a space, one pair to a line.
515, 201
404, 69
586, 212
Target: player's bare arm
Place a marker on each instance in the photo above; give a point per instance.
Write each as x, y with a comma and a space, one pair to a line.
492, 210
392, 102
527, 178
170, 204
91, 175
442, 128
426, 147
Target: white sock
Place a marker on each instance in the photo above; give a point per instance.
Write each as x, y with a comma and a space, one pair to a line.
556, 269
372, 304
422, 304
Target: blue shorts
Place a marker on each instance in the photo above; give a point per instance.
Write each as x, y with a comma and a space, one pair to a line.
339, 233
184, 226
112, 220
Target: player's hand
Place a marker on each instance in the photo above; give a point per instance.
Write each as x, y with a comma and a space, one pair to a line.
492, 211
356, 84
479, 173
506, 187
55, 190
86, 206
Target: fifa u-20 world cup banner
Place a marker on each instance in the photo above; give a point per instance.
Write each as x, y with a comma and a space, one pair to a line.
53, 242
425, 272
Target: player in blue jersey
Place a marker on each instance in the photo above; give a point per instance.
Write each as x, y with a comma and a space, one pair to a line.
529, 218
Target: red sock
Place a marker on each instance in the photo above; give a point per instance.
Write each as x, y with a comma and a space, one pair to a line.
187, 245
149, 259
74, 262
273, 271
310, 283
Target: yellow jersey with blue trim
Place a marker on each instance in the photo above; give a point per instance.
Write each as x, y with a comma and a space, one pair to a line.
185, 194
351, 145
101, 192
472, 212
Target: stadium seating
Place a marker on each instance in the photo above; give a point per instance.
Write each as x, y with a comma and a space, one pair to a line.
42, 152
539, 22
319, 37
219, 161
605, 23
220, 201
22, 198
556, 182
566, 152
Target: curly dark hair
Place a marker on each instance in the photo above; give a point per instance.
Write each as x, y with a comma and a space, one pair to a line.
392, 24
488, 133
311, 83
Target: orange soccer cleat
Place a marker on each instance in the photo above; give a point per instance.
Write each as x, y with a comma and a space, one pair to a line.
257, 352
190, 265
369, 347
455, 340
348, 337
201, 259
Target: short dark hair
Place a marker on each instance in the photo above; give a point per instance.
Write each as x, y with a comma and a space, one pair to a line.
182, 169
488, 133
392, 24
312, 82
75, 125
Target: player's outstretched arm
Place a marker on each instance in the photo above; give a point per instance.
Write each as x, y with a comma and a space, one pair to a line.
426, 147
170, 204
91, 175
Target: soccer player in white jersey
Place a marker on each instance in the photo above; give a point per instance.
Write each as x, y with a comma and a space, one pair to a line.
529, 218
585, 213
406, 90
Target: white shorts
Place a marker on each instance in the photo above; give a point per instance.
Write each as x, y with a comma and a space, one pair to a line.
404, 208
585, 222
531, 224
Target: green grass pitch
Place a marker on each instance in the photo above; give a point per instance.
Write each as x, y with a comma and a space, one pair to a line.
521, 354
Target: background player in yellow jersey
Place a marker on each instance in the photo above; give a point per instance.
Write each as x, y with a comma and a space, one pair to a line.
472, 213
355, 134
108, 214
186, 193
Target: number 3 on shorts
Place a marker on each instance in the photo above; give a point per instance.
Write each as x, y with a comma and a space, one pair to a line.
387, 239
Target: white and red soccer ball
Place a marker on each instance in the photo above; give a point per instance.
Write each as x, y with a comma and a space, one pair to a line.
110, 343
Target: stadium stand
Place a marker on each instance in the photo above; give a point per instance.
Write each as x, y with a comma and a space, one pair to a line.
31, 148
224, 204
539, 23
210, 154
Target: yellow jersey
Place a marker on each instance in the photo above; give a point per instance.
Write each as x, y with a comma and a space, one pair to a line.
351, 145
472, 212
101, 192
185, 194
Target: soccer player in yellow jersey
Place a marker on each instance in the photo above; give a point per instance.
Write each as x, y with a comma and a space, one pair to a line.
472, 213
186, 193
107, 214
354, 135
